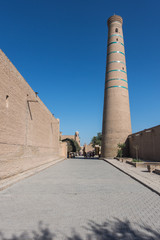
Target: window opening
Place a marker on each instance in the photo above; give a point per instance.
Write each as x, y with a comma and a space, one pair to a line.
7, 101
36, 94
116, 30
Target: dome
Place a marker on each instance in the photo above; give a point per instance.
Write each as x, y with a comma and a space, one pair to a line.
115, 18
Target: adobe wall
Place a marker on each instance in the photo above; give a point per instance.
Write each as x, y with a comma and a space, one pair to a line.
29, 133
63, 149
75, 137
67, 136
88, 148
147, 142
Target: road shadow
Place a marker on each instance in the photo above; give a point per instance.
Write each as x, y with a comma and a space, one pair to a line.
109, 230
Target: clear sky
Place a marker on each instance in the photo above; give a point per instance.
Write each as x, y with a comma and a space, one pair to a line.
59, 47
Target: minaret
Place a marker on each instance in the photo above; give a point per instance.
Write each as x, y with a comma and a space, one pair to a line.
116, 111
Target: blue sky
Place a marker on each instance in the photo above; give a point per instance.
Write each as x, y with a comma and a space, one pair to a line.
59, 47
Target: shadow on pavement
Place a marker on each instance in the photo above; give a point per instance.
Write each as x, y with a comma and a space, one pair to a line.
113, 230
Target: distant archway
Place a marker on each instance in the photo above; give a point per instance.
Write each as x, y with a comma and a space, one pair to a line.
72, 146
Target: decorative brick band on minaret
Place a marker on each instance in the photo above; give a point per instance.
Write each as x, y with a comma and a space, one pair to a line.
116, 112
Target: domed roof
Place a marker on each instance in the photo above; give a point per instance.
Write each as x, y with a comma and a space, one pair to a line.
115, 18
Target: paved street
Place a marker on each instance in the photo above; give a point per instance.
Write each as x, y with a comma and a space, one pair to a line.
79, 199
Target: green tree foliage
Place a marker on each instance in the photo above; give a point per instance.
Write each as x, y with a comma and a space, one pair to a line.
96, 140
78, 148
72, 145
121, 147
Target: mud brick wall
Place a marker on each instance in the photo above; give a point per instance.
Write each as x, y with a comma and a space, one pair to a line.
147, 143
28, 130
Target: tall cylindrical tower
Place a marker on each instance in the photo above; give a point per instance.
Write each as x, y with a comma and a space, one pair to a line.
116, 112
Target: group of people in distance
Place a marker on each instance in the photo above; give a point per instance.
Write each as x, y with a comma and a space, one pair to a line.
89, 154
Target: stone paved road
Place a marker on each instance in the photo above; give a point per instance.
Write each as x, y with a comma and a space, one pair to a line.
79, 199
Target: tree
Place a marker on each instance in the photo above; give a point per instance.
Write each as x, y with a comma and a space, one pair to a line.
136, 147
78, 148
72, 145
121, 147
96, 140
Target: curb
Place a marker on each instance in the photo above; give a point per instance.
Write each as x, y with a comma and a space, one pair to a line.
135, 178
7, 182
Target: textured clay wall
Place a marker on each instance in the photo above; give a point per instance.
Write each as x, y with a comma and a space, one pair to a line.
147, 143
29, 133
75, 137
88, 148
63, 149
67, 136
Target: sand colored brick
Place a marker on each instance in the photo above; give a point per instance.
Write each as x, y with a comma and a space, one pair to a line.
74, 137
145, 144
29, 133
116, 111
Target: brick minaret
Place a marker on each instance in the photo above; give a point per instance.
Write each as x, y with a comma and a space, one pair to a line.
116, 112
